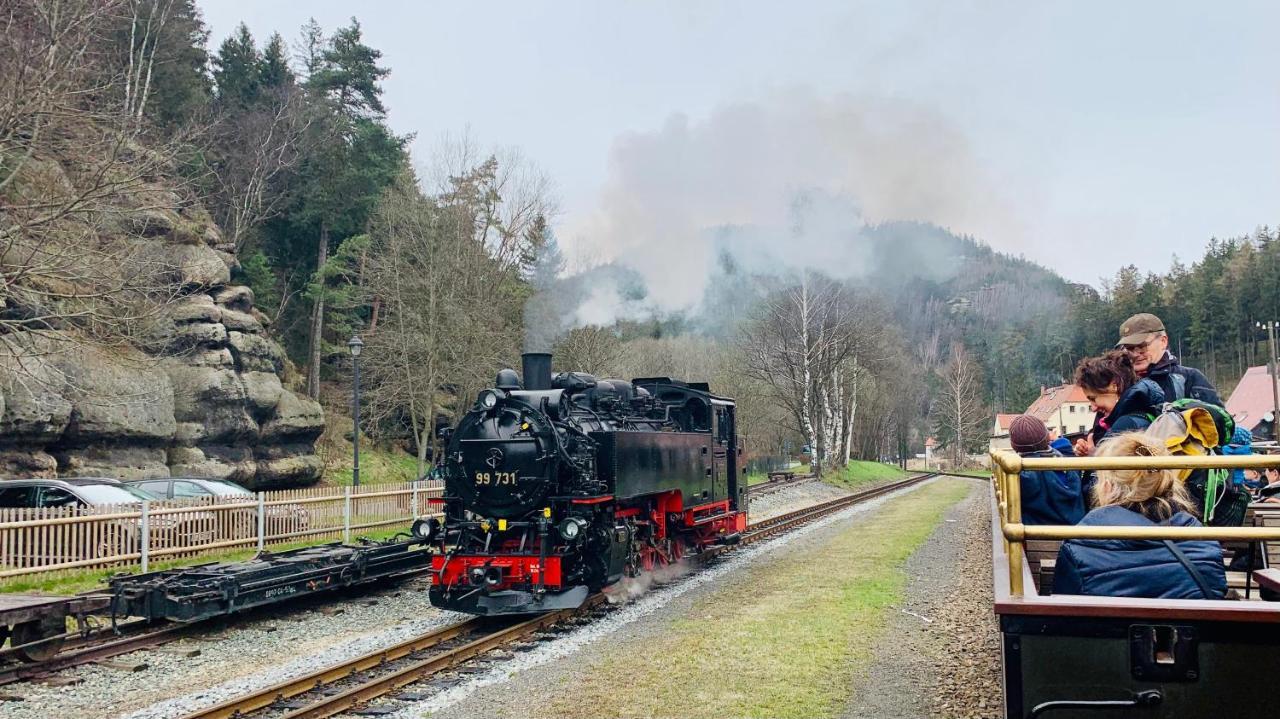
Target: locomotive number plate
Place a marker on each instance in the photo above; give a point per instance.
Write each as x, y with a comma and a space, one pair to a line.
495, 478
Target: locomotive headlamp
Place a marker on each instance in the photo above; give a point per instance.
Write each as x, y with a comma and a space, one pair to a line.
489, 399
427, 529
572, 527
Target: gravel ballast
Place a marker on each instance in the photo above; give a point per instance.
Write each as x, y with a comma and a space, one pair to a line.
246, 653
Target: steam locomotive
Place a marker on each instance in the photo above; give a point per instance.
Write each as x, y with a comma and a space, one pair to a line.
559, 487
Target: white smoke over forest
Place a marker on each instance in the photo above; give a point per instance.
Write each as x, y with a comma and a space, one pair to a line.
786, 183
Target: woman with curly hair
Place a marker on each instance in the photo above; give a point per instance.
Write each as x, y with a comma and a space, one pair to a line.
1185, 569
1122, 401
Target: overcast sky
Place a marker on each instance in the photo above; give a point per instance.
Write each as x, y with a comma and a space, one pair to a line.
1081, 135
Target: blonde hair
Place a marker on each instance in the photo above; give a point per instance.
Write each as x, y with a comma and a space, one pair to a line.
1156, 493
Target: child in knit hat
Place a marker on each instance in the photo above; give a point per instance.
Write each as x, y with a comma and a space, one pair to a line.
1049, 496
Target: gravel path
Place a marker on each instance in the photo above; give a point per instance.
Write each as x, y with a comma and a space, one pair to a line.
939, 656
247, 652
518, 688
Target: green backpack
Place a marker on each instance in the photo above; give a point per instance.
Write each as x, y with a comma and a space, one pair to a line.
1221, 502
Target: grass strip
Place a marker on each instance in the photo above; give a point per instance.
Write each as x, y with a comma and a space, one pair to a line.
784, 639
858, 473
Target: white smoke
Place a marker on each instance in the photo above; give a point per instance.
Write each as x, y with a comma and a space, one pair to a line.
788, 182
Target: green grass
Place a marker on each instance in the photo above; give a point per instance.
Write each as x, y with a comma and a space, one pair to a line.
982, 473
83, 580
377, 466
762, 648
858, 473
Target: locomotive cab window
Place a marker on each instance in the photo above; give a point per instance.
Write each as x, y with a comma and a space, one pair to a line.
724, 425
698, 416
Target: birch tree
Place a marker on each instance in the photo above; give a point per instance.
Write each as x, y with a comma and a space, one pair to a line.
959, 413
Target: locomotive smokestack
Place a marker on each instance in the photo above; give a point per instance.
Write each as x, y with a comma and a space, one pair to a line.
537, 370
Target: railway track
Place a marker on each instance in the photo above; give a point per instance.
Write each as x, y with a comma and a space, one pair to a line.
772, 486
353, 683
135, 635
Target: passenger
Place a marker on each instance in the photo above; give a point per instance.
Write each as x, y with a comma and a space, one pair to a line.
1239, 446
1048, 496
1122, 402
1144, 338
1187, 569
1254, 480
1270, 490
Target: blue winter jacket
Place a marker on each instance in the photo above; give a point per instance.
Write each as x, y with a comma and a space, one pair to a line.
1137, 568
1135, 409
1050, 496
1240, 445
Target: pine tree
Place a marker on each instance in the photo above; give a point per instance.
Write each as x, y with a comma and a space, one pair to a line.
273, 68
236, 70
348, 75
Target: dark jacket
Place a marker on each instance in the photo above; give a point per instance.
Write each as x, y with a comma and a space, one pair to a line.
1137, 568
1050, 496
1178, 382
1132, 412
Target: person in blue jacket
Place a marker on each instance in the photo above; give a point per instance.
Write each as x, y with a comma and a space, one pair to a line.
1183, 569
1048, 496
1241, 444
1122, 401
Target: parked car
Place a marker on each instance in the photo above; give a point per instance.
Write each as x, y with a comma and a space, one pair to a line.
73, 491
280, 518
120, 536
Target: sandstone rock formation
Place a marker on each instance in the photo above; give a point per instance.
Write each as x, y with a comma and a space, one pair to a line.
207, 400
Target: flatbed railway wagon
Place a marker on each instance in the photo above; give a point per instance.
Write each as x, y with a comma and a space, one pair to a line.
1077, 657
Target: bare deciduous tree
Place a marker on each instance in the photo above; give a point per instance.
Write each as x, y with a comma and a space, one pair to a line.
595, 350
959, 414
256, 147
80, 215
811, 344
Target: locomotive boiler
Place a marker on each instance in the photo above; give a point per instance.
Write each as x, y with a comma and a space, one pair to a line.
556, 487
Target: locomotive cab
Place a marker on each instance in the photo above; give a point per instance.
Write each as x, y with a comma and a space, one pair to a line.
558, 487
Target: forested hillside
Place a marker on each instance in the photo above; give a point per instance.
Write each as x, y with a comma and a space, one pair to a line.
173, 204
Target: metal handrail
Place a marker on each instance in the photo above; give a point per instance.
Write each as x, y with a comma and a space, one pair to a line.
1006, 466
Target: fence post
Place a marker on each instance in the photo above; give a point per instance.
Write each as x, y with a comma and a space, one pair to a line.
145, 524
346, 515
262, 522
413, 500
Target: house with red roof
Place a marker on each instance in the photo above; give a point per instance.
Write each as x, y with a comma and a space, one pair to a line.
1063, 408
1252, 403
1000, 432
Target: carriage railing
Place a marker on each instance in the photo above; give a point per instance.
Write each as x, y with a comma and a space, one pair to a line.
1006, 467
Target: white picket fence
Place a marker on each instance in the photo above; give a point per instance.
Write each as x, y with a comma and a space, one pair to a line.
133, 535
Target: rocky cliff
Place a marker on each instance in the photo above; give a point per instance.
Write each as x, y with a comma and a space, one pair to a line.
205, 398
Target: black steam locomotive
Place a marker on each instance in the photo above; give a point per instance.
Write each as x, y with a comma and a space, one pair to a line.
562, 486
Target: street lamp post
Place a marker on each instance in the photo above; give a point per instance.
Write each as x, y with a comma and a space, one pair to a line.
355, 344
1271, 371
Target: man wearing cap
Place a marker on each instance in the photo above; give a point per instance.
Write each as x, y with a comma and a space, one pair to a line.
1144, 338
1048, 496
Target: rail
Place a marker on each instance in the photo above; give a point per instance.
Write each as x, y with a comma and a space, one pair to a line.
47, 539
1006, 468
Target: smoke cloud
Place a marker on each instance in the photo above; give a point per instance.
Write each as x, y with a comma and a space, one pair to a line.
790, 182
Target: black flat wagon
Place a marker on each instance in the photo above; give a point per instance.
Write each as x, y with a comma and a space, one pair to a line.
35, 624
192, 594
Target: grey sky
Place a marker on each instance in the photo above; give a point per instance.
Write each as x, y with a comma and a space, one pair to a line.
1081, 135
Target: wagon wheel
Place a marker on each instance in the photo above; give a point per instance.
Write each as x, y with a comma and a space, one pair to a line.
36, 630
